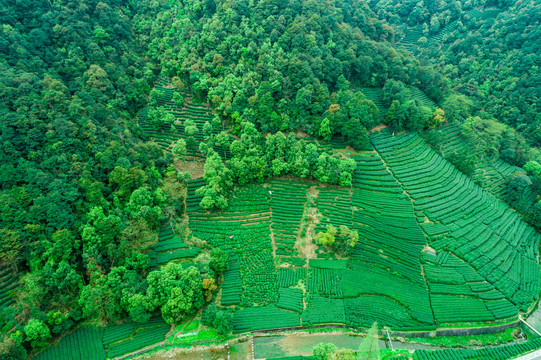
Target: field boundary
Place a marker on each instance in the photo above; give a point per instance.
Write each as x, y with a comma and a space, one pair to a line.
433, 333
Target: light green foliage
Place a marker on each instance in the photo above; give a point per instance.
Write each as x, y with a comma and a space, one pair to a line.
138, 308
351, 236
326, 238
324, 351
148, 205
109, 296
219, 260
37, 333
190, 128
155, 94
437, 119
179, 150
223, 322
457, 107
356, 133
178, 99
369, 348
219, 181
11, 246
533, 168
394, 90
325, 131
160, 118
207, 130
11, 349
345, 354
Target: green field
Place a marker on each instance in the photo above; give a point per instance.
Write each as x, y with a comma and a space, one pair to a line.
8, 283
405, 197
491, 173
493, 353
435, 249
90, 343
432, 242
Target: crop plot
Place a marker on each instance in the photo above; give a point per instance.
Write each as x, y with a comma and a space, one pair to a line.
482, 232
431, 243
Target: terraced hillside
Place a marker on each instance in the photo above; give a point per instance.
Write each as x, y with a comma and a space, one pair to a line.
372, 280
8, 283
491, 173
417, 94
435, 250
488, 244
432, 244
167, 136
90, 343
169, 247
411, 36
374, 94
436, 39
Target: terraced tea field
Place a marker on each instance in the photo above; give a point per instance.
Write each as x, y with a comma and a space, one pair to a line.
374, 95
491, 173
436, 40
8, 283
490, 247
411, 36
435, 249
167, 135
90, 343
432, 244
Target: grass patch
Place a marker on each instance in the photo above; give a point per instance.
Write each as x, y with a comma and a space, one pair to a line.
201, 336
191, 326
469, 340
388, 354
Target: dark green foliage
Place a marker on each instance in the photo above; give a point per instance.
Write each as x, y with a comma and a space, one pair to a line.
223, 322
463, 160
489, 53
220, 319
82, 196
517, 189
289, 65
11, 349
80, 193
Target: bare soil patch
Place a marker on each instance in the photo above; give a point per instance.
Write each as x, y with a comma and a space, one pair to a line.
378, 128
209, 353
195, 168
311, 217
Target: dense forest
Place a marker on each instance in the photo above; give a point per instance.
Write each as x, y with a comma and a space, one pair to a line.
83, 191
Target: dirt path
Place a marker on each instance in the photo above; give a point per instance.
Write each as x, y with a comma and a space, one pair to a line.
310, 217
273, 242
378, 128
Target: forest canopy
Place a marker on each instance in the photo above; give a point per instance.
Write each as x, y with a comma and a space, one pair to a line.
84, 191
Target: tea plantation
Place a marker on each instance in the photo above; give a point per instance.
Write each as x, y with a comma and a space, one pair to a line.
431, 244
90, 343
435, 249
